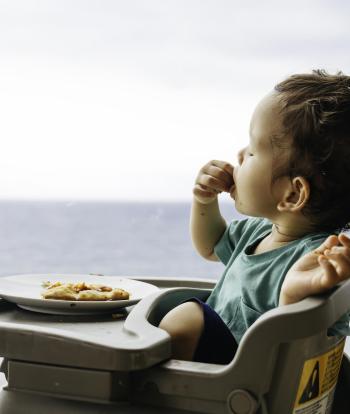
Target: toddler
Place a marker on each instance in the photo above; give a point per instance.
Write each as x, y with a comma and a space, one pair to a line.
293, 181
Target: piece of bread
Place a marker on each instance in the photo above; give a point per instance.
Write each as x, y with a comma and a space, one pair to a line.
59, 292
83, 292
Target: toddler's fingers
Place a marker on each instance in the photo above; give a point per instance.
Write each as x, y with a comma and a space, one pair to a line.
202, 190
220, 174
327, 244
340, 261
345, 251
229, 169
344, 240
224, 165
212, 182
330, 277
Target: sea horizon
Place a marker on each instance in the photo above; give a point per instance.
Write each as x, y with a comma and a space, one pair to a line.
131, 238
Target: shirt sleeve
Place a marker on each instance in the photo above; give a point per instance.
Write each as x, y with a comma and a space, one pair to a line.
226, 245
224, 248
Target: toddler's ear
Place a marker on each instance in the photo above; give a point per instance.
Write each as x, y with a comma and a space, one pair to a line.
295, 196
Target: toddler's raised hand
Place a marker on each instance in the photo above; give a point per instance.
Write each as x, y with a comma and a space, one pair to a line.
212, 179
318, 271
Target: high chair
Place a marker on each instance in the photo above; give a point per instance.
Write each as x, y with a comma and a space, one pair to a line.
285, 363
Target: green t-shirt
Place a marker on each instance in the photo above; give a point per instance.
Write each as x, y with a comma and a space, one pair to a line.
251, 283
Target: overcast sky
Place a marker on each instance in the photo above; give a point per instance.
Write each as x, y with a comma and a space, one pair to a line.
127, 99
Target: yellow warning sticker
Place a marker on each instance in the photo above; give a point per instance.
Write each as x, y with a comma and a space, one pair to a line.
317, 382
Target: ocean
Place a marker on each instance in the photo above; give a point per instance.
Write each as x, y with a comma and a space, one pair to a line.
110, 238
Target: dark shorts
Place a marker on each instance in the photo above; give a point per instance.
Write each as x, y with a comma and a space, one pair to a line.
216, 344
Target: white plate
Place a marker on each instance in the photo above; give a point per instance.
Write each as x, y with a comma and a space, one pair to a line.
25, 291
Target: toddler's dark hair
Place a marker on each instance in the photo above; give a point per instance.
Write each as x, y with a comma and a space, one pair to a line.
316, 114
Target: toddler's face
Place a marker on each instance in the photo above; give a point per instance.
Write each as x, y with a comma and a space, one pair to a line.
254, 194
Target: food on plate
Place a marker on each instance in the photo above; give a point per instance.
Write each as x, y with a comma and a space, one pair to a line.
82, 292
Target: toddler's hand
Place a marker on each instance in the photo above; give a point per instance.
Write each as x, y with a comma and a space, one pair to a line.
214, 178
318, 271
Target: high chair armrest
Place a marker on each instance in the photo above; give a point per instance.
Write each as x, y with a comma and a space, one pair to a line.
149, 311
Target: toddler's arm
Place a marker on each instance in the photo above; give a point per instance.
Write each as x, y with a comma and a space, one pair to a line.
185, 322
317, 271
207, 224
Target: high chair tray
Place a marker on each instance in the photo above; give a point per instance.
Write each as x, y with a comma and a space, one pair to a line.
103, 341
